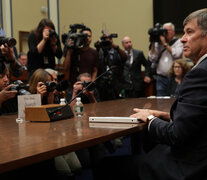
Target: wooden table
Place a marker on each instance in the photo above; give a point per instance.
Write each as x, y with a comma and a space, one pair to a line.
26, 143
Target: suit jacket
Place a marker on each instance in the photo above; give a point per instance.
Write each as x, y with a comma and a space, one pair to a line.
184, 155
135, 69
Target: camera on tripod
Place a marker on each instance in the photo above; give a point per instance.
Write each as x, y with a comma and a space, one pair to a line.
156, 32
104, 41
75, 34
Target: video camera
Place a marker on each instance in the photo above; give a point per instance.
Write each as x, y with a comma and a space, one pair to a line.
61, 86
20, 87
78, 38
104, 41
156, 32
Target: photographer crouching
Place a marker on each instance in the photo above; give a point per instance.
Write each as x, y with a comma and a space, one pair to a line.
8, 65
110, 57
89, 95
43, 83
8, 100
164, 49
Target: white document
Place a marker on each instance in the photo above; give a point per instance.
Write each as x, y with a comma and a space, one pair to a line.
27, 100
112, 125
114, 119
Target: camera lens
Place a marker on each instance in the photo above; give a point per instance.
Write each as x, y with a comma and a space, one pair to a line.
10, 41
50, 86
52, 33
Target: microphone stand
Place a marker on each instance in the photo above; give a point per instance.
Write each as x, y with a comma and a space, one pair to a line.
66, 105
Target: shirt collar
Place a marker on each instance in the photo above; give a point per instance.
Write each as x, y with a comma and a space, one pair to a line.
130, 52
200, 60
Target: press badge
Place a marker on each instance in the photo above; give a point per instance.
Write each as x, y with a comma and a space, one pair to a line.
166, 59
46, 60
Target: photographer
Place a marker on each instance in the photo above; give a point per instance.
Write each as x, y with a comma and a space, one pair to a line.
7, 56
8, 100
61, 85
80, 60
110, 55
44, 83
89, 95
38, 86
44, 45
164, 49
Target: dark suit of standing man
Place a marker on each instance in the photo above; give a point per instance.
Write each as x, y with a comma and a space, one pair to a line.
133, 79
181, 151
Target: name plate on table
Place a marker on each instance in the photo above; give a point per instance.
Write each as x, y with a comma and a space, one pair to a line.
26, 101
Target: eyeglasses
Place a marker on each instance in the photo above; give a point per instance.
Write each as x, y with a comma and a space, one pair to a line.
177, 67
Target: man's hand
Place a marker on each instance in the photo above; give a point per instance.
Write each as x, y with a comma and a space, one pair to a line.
6, 94
142, 114
77, 87
163, 40
147, 79
45, 34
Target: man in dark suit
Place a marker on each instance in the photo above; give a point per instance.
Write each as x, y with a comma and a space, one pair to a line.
133, 79
181, 135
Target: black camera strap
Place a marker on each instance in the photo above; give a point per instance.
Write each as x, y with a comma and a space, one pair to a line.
170, 43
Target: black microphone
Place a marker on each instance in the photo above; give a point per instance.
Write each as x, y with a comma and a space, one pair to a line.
54, 111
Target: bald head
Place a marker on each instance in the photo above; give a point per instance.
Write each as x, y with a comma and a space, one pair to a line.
127, 43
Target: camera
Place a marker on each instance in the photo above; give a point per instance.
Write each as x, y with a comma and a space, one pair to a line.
156, 32
52, 33
90, 87
51, 86
61, 86
105, 42
10, 41
107, 78
20, 87
60, 76
75, 34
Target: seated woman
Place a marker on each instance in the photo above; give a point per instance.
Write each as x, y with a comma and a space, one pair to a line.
62, 85
37, 85
176, 74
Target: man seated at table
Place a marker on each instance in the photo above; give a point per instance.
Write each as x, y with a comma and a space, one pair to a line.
8, 100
